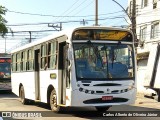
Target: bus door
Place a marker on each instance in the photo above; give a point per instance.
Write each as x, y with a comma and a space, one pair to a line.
62, 66
37, 80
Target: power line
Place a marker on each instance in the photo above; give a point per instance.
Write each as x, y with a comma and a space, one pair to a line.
60, 27
62, 22
69, 7
25, 24
45, 15
77, 6
33, 31
41, 14
67, 16
84, 9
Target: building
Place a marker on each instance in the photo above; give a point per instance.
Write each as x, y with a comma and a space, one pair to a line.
148, 50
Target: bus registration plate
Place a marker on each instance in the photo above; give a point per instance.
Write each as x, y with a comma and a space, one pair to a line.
104, 98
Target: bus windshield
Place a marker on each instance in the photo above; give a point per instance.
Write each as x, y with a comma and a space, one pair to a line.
103, 61
5, 68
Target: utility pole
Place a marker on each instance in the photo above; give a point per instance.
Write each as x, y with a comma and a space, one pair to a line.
133, 18
96, 12
123, 10
30, 39
83, 22
56, 26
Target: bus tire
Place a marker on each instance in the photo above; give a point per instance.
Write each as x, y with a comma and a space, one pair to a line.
22, 96
102, 109
53, 102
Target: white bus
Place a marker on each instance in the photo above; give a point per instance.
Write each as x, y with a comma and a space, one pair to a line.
84, 66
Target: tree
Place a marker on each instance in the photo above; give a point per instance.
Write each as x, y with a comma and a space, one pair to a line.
3, 28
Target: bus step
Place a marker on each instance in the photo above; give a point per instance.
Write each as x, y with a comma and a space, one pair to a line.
62, 105
37, 100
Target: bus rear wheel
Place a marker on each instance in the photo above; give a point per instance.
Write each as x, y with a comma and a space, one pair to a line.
22, 96
53, 102
102, 109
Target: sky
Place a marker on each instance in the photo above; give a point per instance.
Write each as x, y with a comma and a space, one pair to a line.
35, 15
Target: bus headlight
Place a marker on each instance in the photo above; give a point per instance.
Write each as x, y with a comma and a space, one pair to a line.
80, 89
86, 91
92, 92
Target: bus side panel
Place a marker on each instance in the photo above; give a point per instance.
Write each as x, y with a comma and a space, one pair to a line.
46, 80
28, 82
30, 85
15, 81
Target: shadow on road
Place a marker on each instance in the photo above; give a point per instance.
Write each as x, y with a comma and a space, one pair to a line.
6, 92
91, 113
83, 112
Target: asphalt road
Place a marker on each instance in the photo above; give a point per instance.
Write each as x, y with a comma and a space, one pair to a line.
11, 104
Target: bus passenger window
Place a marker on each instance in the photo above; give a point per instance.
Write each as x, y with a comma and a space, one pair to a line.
53, 55
43, 56
49, 54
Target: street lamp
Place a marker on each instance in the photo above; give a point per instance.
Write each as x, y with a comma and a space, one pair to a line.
123, 10
132, 18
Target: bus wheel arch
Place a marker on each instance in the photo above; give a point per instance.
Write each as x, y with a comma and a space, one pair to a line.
52, 99
49, 90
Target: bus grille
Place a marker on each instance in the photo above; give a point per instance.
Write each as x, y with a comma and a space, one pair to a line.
99, 100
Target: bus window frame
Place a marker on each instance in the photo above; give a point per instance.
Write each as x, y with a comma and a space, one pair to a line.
43, 53
29, 59
53, 55
18, 60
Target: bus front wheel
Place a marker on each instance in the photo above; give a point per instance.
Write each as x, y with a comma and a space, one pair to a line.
53, 102
102, 109
22, 96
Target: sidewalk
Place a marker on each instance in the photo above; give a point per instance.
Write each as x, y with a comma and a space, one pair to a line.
142, 101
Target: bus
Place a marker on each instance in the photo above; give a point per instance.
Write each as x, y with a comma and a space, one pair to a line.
5, 71
84, 66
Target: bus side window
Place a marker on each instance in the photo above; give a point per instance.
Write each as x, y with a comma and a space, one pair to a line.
53, 55
14, 62
30, 59
43, 57
49, 55
22, 60
27, 63
18, 62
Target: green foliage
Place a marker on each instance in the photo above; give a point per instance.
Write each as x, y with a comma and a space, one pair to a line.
3, 28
